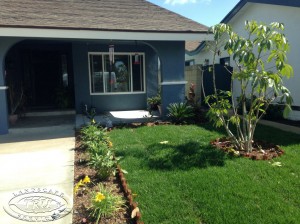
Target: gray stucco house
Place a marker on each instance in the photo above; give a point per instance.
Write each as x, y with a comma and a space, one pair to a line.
70, 53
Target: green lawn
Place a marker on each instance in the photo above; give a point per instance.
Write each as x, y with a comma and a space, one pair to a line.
186, 181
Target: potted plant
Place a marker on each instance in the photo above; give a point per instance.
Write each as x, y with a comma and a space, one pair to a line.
154, 102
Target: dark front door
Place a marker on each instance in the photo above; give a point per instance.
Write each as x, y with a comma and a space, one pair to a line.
45, 67
47, 75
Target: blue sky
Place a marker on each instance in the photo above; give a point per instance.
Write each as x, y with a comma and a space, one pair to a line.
207, 12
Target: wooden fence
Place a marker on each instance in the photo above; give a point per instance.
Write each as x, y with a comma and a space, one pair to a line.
193, 75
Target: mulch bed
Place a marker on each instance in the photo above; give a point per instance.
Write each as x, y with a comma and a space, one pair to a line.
261, 150
82, 199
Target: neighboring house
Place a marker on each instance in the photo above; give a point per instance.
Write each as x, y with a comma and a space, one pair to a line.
267, 11
191, 52
58, 52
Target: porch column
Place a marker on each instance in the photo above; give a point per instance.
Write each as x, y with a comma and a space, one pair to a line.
5, 44
171, 55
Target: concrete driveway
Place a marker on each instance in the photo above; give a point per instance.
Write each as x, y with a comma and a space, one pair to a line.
36, 170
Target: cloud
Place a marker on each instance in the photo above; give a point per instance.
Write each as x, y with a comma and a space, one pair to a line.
182, 2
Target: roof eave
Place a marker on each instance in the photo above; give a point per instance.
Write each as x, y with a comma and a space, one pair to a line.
29, 32
242, 3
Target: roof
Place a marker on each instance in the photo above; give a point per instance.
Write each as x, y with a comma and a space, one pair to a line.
241, 3
99, 15
191, 45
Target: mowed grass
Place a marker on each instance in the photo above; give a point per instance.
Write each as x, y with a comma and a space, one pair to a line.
186, 181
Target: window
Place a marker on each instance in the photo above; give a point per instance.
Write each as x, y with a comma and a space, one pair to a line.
190, 62
126, 75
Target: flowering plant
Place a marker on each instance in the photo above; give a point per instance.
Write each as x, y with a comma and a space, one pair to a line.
104, 203
81, 185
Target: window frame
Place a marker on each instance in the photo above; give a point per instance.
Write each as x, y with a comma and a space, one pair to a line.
130, 54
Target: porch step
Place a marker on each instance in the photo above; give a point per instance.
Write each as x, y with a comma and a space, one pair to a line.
50, 113
118, 117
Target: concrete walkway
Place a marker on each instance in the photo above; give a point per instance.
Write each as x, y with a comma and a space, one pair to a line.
36, 170
280, 126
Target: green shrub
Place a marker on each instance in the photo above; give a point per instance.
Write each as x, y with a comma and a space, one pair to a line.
105, 164
104, 203
97, 147
180, 112
154, 101
93, 133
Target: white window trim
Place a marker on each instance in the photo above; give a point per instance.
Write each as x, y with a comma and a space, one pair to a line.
118, 53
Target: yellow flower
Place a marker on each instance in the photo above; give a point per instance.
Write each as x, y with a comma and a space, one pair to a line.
110, 144
76, 188
99, 197
86, 180
80, 183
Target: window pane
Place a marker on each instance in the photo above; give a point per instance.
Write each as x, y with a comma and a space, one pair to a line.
96, 73
118, 80
137, 73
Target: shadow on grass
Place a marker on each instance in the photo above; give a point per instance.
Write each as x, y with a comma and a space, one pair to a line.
185, 156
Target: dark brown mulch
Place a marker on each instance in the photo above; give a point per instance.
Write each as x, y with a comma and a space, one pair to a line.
82, 200
261, 150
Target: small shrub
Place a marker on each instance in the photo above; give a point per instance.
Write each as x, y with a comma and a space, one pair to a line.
180, 112
154, 101
104, 164
104, 203
97, 147
93, 133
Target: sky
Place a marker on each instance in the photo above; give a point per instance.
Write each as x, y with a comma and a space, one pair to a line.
207, 12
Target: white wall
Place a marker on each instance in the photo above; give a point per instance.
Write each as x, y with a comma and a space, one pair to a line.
199, 58
204, 54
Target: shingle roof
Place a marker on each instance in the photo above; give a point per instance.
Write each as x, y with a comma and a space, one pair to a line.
241, 3
106, 15
192, 45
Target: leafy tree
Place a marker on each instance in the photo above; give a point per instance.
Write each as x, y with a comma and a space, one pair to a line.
261, 66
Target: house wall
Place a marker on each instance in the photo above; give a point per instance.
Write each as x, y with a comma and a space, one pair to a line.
171, 55
200, 57
115, 101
